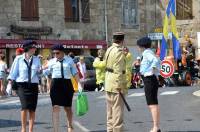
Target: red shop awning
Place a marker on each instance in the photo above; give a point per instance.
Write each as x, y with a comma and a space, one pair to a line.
69, 44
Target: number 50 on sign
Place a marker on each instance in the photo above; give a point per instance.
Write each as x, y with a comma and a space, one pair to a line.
166, 69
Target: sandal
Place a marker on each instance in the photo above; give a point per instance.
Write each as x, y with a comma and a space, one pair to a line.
70, 129
157, 130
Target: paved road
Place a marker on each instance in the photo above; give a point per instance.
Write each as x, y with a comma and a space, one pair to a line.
180, 112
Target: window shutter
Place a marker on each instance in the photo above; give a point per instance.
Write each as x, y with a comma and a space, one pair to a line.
85, 11
68, 11
24, 9
35, 10
29, 10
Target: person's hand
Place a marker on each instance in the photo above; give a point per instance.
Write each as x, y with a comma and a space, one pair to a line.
8, 89
119, 90
80, 88
9, 81
44, 67
39, 71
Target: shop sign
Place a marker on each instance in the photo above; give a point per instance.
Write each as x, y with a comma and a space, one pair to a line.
75, 46
158, 30
158, 36
21, 45
68, 44
40, 46
27, 31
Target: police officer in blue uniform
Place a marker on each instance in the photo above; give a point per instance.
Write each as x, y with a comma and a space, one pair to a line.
149, 69
62, 69
24, 71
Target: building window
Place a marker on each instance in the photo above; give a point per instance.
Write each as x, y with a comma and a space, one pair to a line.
85, 10
184, 9
71, 10
75, 7
129, 12
29, 10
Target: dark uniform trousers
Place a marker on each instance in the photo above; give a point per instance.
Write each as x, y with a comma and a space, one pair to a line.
115, 111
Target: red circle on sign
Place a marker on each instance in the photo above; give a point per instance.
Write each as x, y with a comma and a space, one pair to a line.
167, 69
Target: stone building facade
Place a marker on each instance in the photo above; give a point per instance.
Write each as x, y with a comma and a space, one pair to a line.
106, 17
135, 17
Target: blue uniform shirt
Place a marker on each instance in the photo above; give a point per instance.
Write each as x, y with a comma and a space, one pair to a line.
148, 63
54, 67
19, 69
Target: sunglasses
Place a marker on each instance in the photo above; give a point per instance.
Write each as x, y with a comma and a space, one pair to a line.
56, 53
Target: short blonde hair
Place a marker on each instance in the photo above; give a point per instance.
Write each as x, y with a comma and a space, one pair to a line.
81, 58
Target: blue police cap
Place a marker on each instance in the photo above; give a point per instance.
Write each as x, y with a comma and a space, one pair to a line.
28, 45
58, 47
144, 42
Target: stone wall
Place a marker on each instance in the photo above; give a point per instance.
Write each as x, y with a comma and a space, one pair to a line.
51, 13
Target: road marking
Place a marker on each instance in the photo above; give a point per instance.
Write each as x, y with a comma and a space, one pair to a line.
197, 93
6, 99
11, 102
169, 93
136, 95
15, 101
81, 127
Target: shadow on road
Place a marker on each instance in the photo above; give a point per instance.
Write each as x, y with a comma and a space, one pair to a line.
99, 131
18, 106
7, 107
13, 123
182, 131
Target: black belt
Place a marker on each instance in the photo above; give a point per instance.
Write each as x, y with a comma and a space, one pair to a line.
26, 83
112, 71
60, 79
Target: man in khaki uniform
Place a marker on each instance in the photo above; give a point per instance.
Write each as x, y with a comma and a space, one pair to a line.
115, 82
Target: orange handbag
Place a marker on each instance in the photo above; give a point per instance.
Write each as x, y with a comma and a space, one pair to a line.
74, 84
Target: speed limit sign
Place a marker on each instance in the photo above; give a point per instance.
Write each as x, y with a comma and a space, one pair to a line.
167, 69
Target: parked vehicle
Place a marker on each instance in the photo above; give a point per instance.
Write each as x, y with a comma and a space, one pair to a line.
90, 81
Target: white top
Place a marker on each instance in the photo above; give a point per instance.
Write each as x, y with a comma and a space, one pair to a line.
54, 67
3, 67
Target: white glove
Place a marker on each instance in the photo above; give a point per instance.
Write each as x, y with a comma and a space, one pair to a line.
80, 88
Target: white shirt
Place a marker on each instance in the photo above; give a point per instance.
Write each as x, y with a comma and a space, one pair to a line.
54, 67
148, 63
19, 69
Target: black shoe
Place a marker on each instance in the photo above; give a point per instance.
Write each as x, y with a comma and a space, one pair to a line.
159, 130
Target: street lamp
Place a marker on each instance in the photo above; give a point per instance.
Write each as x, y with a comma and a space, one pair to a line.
155, 13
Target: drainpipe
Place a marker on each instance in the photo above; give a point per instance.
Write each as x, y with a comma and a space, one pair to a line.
106, 19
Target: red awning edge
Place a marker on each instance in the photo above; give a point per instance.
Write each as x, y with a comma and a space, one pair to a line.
69, 44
